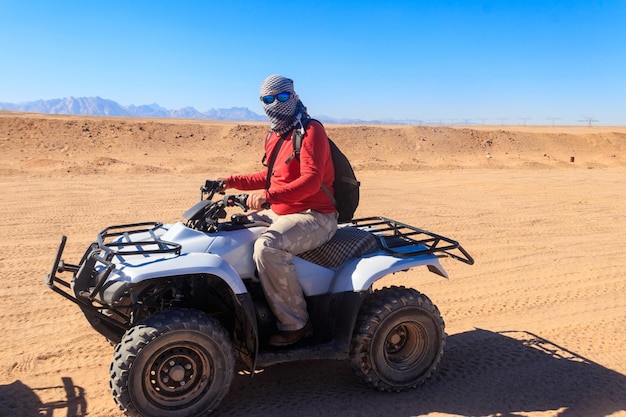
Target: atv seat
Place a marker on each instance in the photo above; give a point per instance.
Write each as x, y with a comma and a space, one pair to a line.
348, 242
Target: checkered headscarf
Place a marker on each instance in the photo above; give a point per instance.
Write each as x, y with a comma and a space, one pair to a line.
282, 116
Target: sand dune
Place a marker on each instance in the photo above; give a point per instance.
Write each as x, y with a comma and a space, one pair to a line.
536, 327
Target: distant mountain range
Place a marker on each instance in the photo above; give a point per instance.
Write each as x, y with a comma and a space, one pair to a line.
97, 106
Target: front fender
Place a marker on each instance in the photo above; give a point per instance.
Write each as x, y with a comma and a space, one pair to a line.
128, 272
359, 274
186, 264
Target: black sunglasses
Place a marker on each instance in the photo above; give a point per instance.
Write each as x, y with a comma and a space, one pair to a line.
281, 97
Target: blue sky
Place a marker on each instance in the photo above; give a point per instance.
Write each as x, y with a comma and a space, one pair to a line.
498, 61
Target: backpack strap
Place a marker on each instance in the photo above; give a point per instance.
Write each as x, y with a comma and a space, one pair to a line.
267, 139
272, 160
329, 194
298, 136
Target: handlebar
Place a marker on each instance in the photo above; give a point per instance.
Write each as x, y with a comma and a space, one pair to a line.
239, 200
211, 187
205, 214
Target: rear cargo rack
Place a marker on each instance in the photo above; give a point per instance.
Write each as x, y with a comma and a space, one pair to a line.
118, 240
400, 239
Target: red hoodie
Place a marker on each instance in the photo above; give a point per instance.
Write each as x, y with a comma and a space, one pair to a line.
296, 185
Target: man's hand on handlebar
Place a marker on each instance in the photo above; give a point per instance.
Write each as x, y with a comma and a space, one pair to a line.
214, 186
223, 185
257, 201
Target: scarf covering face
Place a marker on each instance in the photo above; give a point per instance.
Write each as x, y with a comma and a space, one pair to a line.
282, 116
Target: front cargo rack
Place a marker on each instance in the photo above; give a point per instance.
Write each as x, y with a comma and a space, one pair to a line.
112, 241
403, 240
118, 240
122, 240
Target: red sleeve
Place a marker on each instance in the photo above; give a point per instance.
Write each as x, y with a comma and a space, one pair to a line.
248, 182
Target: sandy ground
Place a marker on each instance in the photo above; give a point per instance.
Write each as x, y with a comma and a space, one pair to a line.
537, 327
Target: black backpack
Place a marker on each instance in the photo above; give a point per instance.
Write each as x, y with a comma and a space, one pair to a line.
346, 186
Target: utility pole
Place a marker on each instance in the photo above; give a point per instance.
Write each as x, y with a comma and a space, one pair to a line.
502, 119
553, 119
524, 119
588, 120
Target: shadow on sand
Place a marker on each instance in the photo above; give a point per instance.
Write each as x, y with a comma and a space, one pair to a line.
482, 374
19, 400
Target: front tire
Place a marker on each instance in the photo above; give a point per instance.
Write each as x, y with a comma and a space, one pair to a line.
398, 339
175, 363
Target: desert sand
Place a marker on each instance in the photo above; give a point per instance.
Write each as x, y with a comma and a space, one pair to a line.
537, 327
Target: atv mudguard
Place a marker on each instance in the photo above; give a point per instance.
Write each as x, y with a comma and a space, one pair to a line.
360, 274
206, 264
137, 269
117, 286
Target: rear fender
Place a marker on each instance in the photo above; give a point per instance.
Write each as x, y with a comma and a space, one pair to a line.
359, 274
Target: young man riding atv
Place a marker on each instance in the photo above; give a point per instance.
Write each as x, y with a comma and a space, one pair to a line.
302, 215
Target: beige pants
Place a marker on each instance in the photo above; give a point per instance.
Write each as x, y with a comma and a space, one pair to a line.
288, 235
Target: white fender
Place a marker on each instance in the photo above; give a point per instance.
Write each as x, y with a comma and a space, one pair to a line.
185, 264
359, 274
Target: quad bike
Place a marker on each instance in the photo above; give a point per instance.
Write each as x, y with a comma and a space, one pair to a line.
182, 302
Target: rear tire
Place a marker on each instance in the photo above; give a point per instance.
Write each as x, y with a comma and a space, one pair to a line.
398, 339
175, 363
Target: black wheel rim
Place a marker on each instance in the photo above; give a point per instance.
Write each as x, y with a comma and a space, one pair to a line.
406, 346
177, 374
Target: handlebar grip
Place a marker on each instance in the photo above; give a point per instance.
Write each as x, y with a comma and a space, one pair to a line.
213, 185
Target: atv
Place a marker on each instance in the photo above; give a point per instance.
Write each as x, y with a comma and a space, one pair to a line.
183, 305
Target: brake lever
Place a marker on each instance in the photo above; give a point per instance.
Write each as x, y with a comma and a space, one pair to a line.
236, 200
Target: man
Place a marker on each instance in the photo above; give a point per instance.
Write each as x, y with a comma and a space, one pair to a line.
301, 214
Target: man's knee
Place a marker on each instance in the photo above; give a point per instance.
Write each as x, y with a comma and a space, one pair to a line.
268, 251
260, 249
